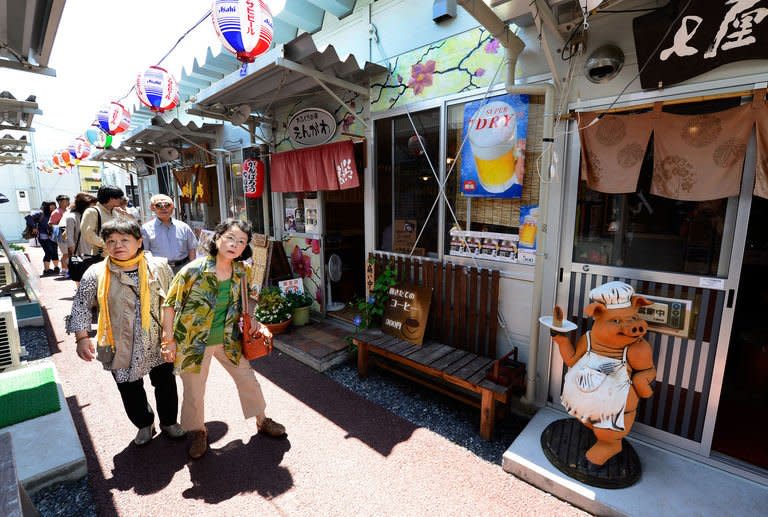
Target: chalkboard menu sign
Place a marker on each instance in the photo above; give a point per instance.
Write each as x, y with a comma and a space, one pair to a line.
405, 315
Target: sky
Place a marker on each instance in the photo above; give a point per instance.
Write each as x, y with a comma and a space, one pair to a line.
100, 47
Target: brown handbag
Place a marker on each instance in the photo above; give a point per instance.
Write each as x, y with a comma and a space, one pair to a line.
253, 347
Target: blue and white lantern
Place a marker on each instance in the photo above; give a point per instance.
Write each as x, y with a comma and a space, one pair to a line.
157, 89
113, 119
243, 26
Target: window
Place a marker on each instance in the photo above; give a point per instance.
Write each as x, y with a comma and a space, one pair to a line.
640, 230
301, 211
405, 183
491, 215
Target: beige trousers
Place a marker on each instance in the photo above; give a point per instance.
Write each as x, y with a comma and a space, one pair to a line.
248, 388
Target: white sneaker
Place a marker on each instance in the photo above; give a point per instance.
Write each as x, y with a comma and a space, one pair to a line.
145, 434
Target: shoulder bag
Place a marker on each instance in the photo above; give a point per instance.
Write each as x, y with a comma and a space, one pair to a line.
79, 264
253, 347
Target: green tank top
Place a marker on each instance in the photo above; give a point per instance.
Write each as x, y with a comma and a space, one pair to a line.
216, 336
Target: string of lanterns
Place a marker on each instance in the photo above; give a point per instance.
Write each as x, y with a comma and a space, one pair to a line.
244, 27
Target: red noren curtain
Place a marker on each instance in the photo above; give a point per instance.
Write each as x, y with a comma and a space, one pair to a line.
325, 167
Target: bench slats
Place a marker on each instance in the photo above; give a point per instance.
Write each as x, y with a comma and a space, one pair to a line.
467, 358
429, 353
443, 362
479, 363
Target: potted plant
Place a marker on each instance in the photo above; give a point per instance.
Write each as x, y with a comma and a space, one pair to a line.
273, 310
371, 310
300, 304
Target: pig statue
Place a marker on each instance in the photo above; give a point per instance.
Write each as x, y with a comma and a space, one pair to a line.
610, 369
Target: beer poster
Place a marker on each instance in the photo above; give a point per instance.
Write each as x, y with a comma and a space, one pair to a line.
493, 156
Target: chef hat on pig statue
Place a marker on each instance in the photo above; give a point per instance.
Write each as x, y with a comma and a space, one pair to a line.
609, 369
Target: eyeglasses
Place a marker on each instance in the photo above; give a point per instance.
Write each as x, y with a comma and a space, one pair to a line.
163, 205
233, 240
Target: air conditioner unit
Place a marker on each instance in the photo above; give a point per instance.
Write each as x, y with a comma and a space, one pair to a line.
10, 345
6, 272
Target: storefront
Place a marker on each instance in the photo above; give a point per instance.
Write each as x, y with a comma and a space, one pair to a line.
311, 124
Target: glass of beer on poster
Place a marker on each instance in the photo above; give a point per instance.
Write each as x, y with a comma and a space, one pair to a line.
492, 161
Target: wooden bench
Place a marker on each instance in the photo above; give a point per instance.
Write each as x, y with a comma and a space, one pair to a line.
460, 341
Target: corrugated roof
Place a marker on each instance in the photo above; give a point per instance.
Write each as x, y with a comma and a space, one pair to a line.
16, 114
274, 77
28, 29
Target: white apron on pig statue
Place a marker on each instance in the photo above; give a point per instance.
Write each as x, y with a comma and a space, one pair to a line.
610, 369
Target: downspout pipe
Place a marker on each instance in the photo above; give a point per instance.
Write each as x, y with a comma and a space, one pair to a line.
500, 30
513, 46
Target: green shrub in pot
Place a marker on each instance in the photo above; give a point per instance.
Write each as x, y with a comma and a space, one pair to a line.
300, 304
272, 306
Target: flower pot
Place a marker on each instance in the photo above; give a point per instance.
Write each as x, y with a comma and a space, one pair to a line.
278, 328
301, 316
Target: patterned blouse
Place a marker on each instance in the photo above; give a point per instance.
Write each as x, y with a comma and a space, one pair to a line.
193, 295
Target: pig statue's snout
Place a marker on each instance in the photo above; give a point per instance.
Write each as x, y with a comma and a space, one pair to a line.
635, 328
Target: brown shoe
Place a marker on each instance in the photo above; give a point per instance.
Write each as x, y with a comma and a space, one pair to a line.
199, 443
271, 428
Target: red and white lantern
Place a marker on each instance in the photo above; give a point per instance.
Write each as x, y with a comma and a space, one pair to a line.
113, 119
157, 89
243, 26
253, 178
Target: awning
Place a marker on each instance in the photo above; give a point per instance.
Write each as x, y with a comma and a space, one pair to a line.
28, 28
16, 114
283, 73
325, 167
12, 150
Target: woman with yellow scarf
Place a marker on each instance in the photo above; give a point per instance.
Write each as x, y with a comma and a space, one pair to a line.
128, 289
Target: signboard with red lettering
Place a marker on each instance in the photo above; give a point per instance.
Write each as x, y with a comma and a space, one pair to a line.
705, 35
405, 315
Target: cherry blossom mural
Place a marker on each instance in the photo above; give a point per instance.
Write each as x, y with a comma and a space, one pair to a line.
457, 64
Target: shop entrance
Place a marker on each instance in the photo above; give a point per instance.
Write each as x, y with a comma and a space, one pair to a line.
709, 334
345, 238
741, 416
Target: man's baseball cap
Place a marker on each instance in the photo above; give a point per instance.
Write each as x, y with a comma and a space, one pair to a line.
160, 198
62, 197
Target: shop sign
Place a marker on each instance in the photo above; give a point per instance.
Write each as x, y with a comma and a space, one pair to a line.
704, 36
311, 126
294, 285
405, 315
667, 315
493, 158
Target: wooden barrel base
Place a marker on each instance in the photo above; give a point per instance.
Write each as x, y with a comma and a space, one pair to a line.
566, 441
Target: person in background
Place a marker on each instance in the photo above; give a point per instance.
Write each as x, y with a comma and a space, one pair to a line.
59, 235
128, 289
38, 221
206, 296
167, 237
71, 222
108, 198
127, 210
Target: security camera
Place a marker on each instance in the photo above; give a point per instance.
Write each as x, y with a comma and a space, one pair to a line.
604, 64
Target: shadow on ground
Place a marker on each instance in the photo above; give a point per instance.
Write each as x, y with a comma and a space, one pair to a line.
380, 429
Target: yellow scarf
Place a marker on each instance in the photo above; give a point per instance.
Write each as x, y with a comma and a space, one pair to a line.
104, 329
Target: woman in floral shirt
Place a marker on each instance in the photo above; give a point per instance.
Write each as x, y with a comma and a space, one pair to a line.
201, 321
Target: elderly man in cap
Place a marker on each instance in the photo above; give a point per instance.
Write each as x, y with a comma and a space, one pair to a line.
167, 237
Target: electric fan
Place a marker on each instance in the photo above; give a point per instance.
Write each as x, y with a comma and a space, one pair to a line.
334, 275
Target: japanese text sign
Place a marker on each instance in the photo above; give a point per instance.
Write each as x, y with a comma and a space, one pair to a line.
706, 35
405, 315
311, 126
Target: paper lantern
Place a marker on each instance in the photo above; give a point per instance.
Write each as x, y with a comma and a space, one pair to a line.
113, 119
243, 26
98, 138
73, 159
157, 89
82, 148
56, 160
253, 178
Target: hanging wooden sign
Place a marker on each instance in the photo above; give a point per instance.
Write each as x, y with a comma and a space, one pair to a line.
704, 36
405, 315
311, 126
